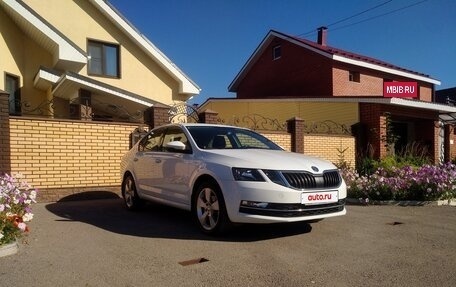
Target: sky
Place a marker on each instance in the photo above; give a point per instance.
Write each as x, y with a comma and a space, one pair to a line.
211, 40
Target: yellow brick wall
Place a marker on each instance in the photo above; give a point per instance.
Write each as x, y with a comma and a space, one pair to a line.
268, 113
68, 154
330, 147
282, 139
62, 157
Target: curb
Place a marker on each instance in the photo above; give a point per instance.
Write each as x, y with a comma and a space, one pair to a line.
9, 249
360, 201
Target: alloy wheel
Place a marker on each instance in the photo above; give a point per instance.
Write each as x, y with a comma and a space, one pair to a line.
208, 208
129, 192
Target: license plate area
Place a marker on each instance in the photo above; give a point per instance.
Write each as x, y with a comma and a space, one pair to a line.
322, 197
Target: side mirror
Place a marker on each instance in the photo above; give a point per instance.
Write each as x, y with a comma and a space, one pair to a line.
175, 145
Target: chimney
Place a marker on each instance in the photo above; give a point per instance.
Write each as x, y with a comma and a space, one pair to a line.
322, 34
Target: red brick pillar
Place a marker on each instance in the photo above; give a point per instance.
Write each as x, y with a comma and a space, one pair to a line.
157, 115
371, 117
382, 137
296, 129
209, 117
5, 149
435, 144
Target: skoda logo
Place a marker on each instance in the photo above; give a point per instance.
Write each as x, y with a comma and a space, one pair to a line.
314, 168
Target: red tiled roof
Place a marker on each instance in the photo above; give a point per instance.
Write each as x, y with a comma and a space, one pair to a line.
330, 52
351, 55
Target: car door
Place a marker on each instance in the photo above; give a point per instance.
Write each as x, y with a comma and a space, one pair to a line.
147, 164
176, 167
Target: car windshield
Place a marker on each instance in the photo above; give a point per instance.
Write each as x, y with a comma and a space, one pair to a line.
214, 137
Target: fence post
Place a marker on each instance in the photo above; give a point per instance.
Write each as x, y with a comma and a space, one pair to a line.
209, 117
5, 148
296, 129
157, 115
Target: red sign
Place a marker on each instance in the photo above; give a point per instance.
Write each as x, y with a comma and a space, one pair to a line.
400, 89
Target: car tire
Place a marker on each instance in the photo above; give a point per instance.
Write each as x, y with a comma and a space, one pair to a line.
209, 210
129, 194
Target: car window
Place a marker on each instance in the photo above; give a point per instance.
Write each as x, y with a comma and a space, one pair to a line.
152, 141
175, 134
219, 141
222, 137
248, 141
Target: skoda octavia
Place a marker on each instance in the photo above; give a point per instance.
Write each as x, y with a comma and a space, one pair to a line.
224, 175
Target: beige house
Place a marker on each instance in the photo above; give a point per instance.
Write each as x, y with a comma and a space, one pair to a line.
82, 59
76, 80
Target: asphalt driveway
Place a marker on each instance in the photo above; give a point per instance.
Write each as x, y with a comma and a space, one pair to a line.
99, 243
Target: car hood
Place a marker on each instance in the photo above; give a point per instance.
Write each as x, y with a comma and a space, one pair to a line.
268, 159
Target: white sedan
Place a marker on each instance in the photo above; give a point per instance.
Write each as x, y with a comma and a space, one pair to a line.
225, 174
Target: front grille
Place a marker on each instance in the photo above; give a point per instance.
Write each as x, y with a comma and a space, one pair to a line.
332, 179
306, 180
300, 180
294, 210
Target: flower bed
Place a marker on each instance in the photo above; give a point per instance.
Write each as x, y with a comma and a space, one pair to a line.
427, 182
16, 198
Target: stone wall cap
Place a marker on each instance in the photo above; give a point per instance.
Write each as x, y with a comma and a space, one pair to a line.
295, 119
209, 111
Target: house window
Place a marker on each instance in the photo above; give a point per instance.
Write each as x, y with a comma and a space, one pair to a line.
104, 59
276, 52
353, 76
12, 88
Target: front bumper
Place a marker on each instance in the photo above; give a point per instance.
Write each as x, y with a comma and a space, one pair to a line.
267, 202
292, 210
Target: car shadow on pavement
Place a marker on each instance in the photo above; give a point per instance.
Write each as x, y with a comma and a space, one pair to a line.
157, 221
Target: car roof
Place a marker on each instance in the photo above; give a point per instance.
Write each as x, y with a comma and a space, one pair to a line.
200, 125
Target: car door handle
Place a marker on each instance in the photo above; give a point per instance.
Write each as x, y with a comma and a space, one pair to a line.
158, 160
135, 159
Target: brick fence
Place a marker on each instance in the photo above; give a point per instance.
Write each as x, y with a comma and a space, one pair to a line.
62, 158
327, 146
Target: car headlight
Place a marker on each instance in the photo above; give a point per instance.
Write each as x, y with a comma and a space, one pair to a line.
247, 174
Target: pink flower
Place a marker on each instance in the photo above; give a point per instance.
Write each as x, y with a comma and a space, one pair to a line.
22, 226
